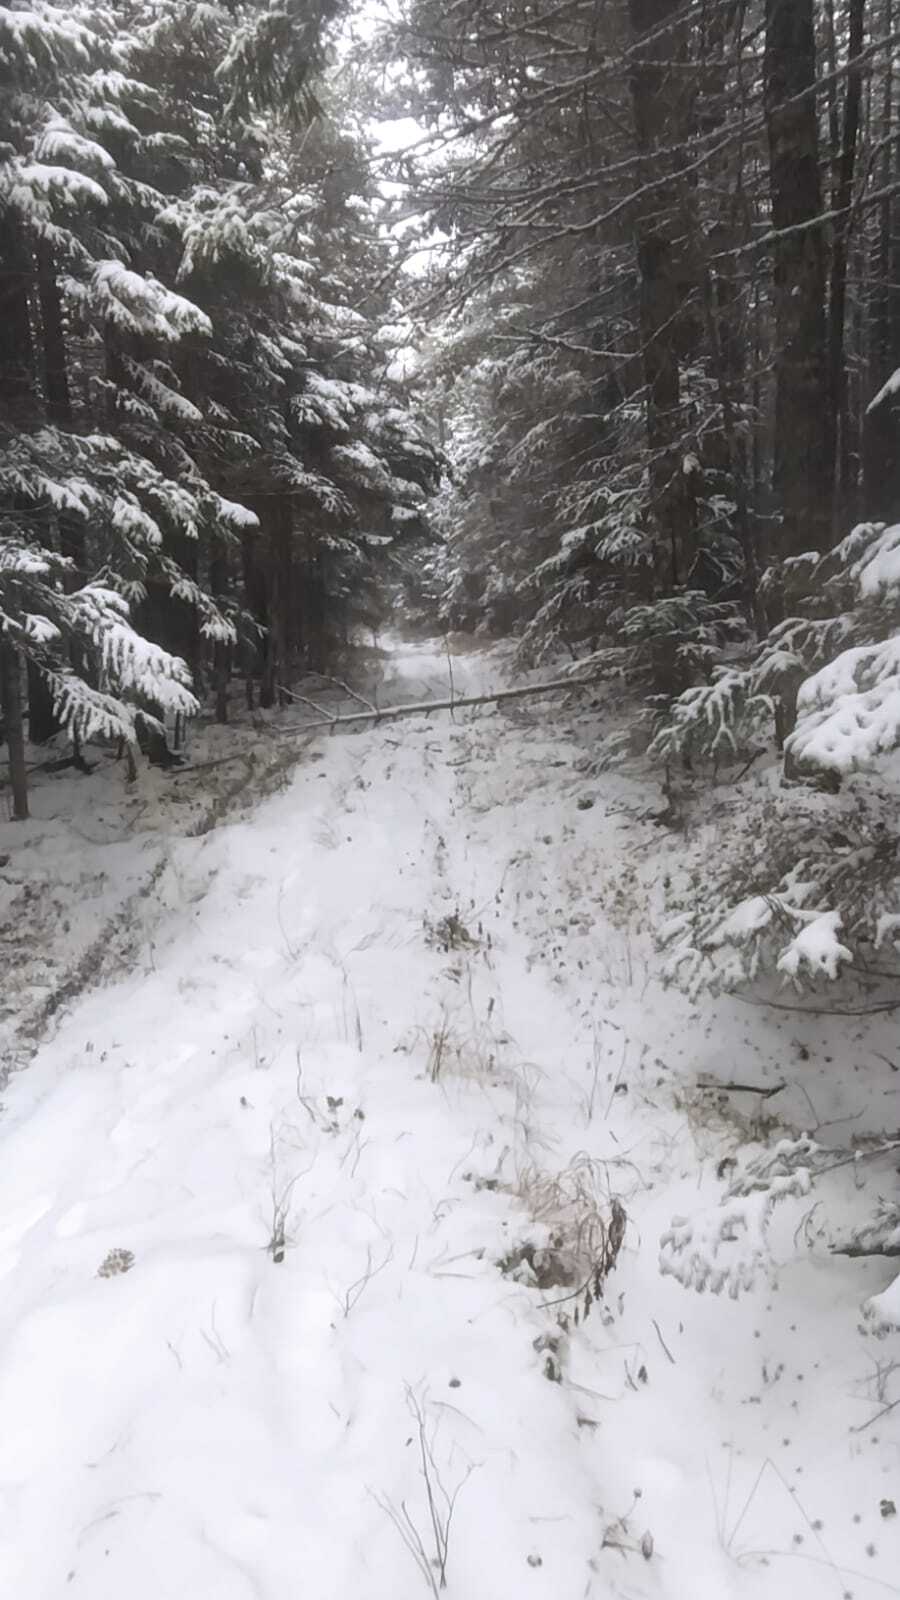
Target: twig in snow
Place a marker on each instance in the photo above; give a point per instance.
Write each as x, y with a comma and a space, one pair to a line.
663, 1342
617, 1536
842, 1572
322, 712
822, 1011
826, 1558
352, 694
355, 1147
862, 1426
615, 1086
440, 1503
747, 765
356, 1290
292, 950
742, 1088
884, 1371
215, 1341
857, 1252
322, 1123
177, 773
411, 1537
347, 988
596, 1063
281, 1203
450, 672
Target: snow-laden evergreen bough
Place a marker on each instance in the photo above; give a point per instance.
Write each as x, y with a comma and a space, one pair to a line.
813, 891
197, 415
88, 520
726, 1246
51, 617
807, 887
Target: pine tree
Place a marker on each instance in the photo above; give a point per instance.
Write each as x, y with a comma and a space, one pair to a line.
201, 443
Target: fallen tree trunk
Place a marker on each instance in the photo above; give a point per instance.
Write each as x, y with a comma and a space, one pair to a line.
455, 703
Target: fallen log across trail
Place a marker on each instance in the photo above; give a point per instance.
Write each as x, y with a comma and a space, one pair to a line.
375, 713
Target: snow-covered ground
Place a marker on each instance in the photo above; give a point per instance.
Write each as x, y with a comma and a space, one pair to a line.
291, 1205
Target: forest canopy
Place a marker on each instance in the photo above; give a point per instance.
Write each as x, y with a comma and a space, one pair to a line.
206, 463
648, 253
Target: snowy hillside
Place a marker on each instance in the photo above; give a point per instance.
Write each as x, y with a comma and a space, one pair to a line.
311, 1196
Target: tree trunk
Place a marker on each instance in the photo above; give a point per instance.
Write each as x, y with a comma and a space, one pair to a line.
803, 471
837, 418
257, 592
737, 456
43, 724
281, 579
218, 582
14, 727
16, 343
881, 427
56, 366
659, 99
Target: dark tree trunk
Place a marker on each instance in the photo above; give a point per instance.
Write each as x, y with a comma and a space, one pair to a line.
56, 366
837, 416
722, 365
803, 469
56, 389
218, 580
16, 343
16, 408
721, 292
881, 428
282, 581
659, 304
659, 101
256, 596
221, 678
161, 618
43, 723
42, 720
14, 727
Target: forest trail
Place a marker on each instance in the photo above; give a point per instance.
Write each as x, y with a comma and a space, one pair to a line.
398, 1023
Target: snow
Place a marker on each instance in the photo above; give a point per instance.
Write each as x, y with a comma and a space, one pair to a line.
140, 305
28, 36
60, 143
878, 571
135, 664
132, 521
235, 515
41, 629
816, 948
34, 183
214, 226
394, 1024
884, 1308
888, 928
726, 1246
364, 465
849, 711
746, 919
169, 400
886, 392
852, 733
18, 558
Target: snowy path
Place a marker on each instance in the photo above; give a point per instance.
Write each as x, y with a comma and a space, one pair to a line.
297, 1068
